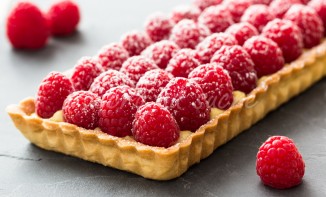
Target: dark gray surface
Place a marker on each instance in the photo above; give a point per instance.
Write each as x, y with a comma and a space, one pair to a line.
26, 170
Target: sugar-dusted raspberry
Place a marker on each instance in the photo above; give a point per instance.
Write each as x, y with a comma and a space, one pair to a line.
237, 8
187, 34
206, 49
306, 1
266, 54
182, 63
27, 27
117, 110
242, 31
81, 108
187, 102
258, 16
279, 163
320, 7
308, 21
161, 52
135, 42
137, 66
108, 80
265, 2
203, 4
52, 92
84, 73
216, 18
112, 56
158, 26
240, 66
280, 7
216, 84
151, 84
185, 12
288, 37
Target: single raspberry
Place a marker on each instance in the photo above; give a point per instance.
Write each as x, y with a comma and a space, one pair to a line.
242, 31
320, 7
237, 8
308, 21
280, 7
288, 37
117, 110
216, 84
266, 54
265, 2
182, 63
216, 18
279, 163
206, 49
63, 17
137, 66
258, 16
158, 26
112, 56
52, 92
135, 42
187, 34
203, 4
187, 102
27, 27
108, 80
161, 52
185, 12
81, 108
240, 66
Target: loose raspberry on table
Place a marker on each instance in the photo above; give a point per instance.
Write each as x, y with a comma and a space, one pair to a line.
288, 37
308, 21
242, 31
27, 27
182, 63
258, 16
237, 8
84, 73
161, 52
266, 54
279, 163
52, 92
203, 4
81, 108
185, 12
117, 110
280, 7
265, 2
320, 7
108, 80
135, 42
112, 56
154, 125
240, 66
187, 102
158, 26
152, 83
216, 84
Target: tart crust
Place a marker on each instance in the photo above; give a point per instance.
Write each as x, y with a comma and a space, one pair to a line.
167, 163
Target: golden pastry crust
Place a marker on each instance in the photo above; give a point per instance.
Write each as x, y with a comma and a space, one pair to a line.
168, 163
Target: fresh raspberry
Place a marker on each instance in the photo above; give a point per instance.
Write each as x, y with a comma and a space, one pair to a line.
112, 56
308, 21
266, 54
152, 83
280, 7
216, 18
137, 66
320, 7
216, 84
161, 52
117, 110
288, 37
258, 16
203, 4
108, 80
279, 163
53, 90
185, 12
187, 34
187, 102
81, 108
206, 49
63, 17
240, 66
305, 1
182, 63
237, 8
242, 31
27, 27
135, 42
158, 26
265, 2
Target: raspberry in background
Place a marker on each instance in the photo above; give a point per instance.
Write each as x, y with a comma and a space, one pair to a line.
308, 21
258, 16
27, 27
158, 26
52, 92
112, 56
279, 163
280, 7
81, 108
320, 7
203, 4
185, 12
63, 17
237, 8
242, 31
135, 42
265, 2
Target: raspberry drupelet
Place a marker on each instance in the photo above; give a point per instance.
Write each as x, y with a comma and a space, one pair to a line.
264, 2
320, 7
185, 12
242, 31
203, 4
158, 26
237, 8
280, 7
112, 56
135, 42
